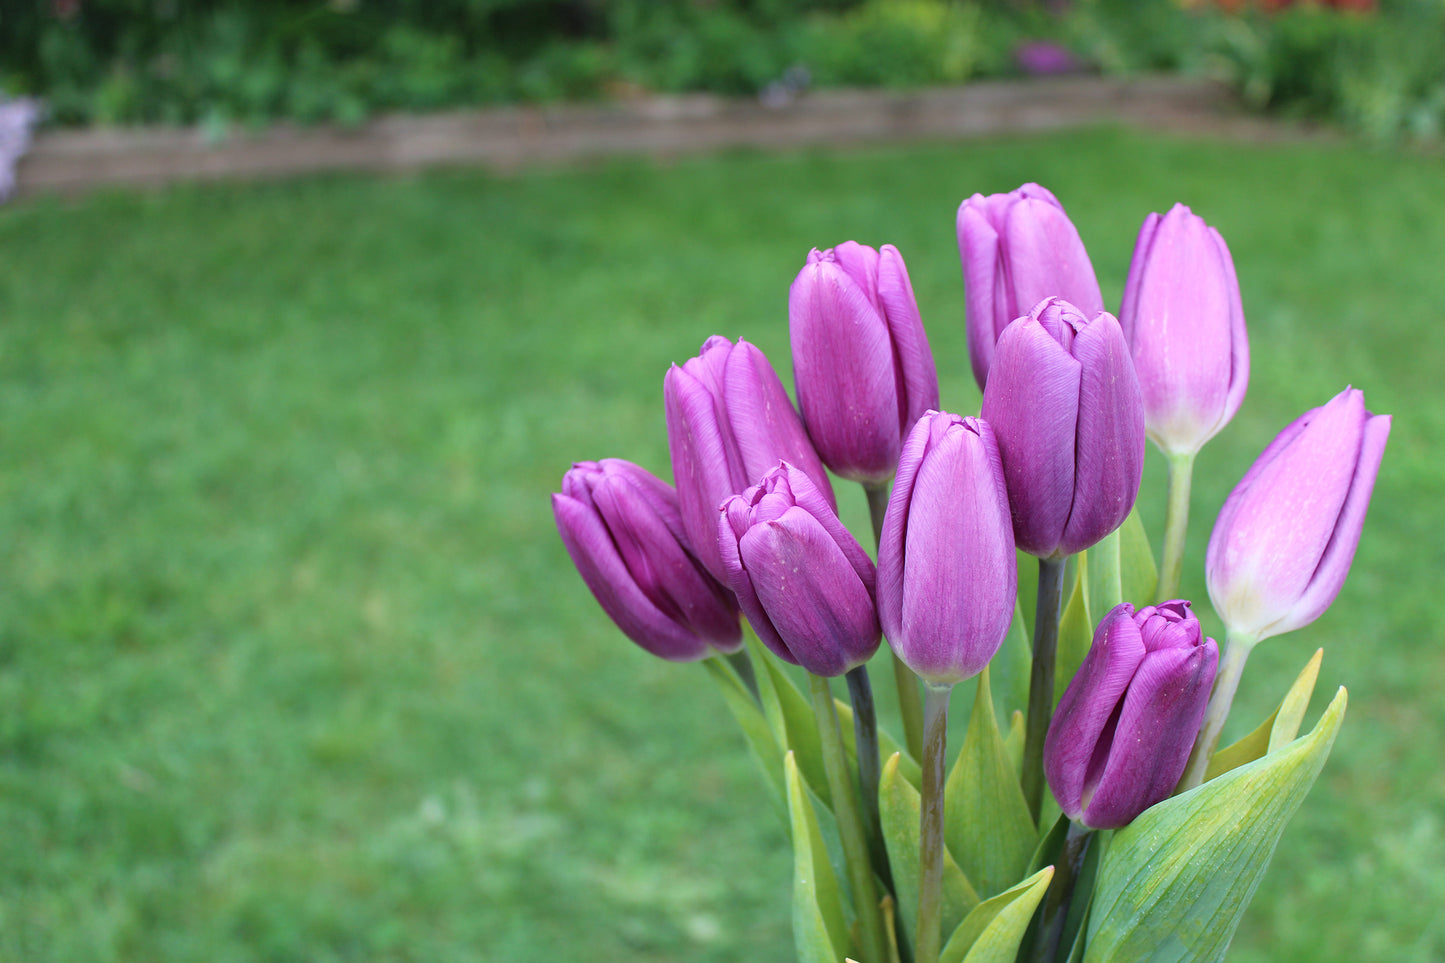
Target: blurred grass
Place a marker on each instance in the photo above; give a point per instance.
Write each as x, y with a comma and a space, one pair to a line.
293, 666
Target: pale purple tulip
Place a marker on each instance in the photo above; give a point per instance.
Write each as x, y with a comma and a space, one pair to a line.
802, 580
1017, 249
1184, 321
861, 361
1284, 541
1064, 404
1122, 732
947, 573
729, 420
622, 527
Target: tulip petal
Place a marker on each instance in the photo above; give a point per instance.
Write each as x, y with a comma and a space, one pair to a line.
1046, 258
978, 248
912, 356
766, 427
706, 465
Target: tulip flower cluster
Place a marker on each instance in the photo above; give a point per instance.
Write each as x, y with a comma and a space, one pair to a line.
1124, 704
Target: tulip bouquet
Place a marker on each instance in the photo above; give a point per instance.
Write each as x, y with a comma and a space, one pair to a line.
1090, 813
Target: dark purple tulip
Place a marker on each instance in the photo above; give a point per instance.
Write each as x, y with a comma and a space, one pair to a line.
947, 573
861, 361
1184, 321
1064, 404
622, 528
803, 581
729, 421
1017, 249
1122, 733
1284, 541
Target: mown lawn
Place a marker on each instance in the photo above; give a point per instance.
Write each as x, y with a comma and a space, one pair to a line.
293, 666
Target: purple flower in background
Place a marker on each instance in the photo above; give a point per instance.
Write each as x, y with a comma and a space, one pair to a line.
729, 421
1017, 249
1184, 321
947, 573
1284, 541
861, 362
1064, 404
1122, 732
17, 117
622, 527
1045, 58
802, 580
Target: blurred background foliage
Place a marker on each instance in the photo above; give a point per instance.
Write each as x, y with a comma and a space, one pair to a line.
1380, 69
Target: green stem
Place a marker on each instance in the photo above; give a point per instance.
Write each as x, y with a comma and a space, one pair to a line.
1176, 525
1226, 683
910, 705
850, 827
1041, 679
865, 740
1061, 892
743, 665
930, 826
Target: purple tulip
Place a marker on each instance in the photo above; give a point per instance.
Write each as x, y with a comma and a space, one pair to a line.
1121, 735
803, 581
861, 361
729, 421
1064, 404
947, 573
1183, 317
622, 527
1284, 541
1017, 249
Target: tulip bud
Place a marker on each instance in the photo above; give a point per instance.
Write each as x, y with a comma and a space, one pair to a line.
1123, 730
947, 574
622, 527
803, 581
1184, 321
861, 362
1017, 249
1284, 541
729, 421
1064, 404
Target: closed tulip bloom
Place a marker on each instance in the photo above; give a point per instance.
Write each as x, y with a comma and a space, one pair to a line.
1184, 321
622, 527
802, 580
1064, 404
1017, 249
947, 573
861, 361
1284, 541
729, 420
1121, 735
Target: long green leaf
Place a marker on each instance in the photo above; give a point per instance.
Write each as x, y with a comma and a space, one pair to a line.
887, 746
755, 727
1010, 668
988, 826
899, 806
820, 932
1076, 631
1106, 581
1276, 731
993, 931
1138, 575
1175, 882
790, 715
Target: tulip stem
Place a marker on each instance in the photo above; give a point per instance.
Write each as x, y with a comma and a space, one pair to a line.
865, 740
910, 704
1041, 679
1061, 892
1226, 683
850, 827
930, 826
1176, 525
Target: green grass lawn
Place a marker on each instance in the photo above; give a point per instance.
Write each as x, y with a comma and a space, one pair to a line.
294, 667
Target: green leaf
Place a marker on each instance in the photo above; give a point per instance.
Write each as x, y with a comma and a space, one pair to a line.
988, 825
1175, 882
1276, 731
820, 933
754, 725
1013, 743
887, 746
1046, 853
1010, 667
1106, 583
993, 931
1138, 576
1076, 631
899, 806
790, 715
